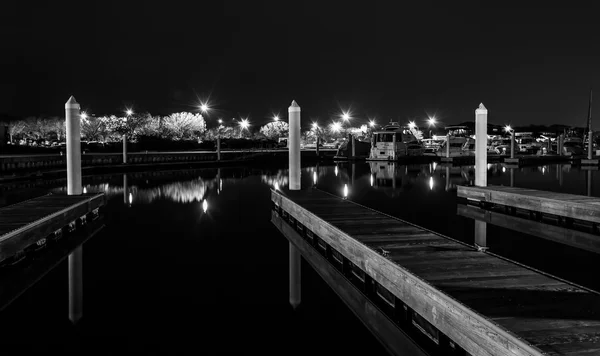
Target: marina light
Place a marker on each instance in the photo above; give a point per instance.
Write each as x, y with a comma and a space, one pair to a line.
205, 205
129, 112
276, 186
276, 118
204, 107
83, 115
220, 121
372, 123
336, 127
432, 121
315, 178
315, 125
345, 116
244, 124
507, 128
431, 183
345, 191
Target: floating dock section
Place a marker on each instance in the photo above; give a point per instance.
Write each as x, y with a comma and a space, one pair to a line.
460, 297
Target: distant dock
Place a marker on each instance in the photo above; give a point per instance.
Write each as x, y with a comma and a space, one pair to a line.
461, 298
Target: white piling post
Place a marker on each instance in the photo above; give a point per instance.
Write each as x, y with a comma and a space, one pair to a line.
295, 276
294, 145
481, 146
448, 145
394, 147
218, 148
73, 134
512, 143
124, 148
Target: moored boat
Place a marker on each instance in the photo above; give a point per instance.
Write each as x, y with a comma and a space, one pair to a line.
394, 141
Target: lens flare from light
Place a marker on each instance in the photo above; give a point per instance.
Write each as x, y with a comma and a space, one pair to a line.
205, 205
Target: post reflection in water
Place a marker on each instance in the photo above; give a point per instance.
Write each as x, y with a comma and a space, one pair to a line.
431, 183
481, 235
512, 177
589, 183
125, 188
448, 186
75, 261
219, 182
295, 276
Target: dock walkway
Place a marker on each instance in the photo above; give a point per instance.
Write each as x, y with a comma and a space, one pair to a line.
485, 304
569, 206
30, 222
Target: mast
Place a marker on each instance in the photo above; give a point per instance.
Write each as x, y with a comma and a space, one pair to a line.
590, 132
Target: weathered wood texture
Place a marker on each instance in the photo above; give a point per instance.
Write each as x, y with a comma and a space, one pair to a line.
578, 239
565, 205
24, 223
476, 299
390, 336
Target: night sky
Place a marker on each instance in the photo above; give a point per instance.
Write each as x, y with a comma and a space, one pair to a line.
385, 60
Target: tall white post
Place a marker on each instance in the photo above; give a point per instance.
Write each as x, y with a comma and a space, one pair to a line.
353, 147
294, 145
394, 146
218, 148
448, 145
481, 146
295, 276
512, 143
73, 126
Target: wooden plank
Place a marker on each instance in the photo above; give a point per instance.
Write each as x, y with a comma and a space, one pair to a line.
549, 203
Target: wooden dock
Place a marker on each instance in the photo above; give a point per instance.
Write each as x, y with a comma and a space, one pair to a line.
574, 238
482, 303
31, 223
568, 206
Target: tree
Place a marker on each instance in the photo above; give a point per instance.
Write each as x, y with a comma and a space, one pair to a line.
275, 130
184, 125
58, 126
16, 127
94, 128
37, 127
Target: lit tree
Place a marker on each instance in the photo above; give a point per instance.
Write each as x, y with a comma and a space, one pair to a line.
94, 128
184, 125
275, 130
58, 126
16, 127
37, 127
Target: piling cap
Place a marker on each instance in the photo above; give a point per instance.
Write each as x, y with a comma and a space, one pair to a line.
294, 106
481, 109
72, 103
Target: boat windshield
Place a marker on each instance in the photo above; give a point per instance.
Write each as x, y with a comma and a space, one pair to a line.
458, 131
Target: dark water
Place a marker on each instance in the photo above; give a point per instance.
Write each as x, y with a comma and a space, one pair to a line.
171, 274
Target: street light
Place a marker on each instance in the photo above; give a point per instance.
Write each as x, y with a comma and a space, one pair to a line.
276, 118
129, 112
83, 115
432, 121
204, 107
345, 116
507, 128
244, 124
372, 123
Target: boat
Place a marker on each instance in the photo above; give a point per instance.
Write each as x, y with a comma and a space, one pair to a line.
361, 151
461, 143
394, 141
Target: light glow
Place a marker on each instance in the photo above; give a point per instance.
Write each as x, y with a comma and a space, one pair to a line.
507, 128
432, 121
244, 124
345, 191
371, 180
276, 186
345, 116
315, 178
130, 198
204, 107
372, 123
430, 183
129, 112
336, 171
83, 115
205, 205
276, 118
336, 127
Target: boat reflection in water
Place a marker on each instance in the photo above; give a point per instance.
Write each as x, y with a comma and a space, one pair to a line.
394, 178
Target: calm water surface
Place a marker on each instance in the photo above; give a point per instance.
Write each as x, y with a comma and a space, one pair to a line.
189, 262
